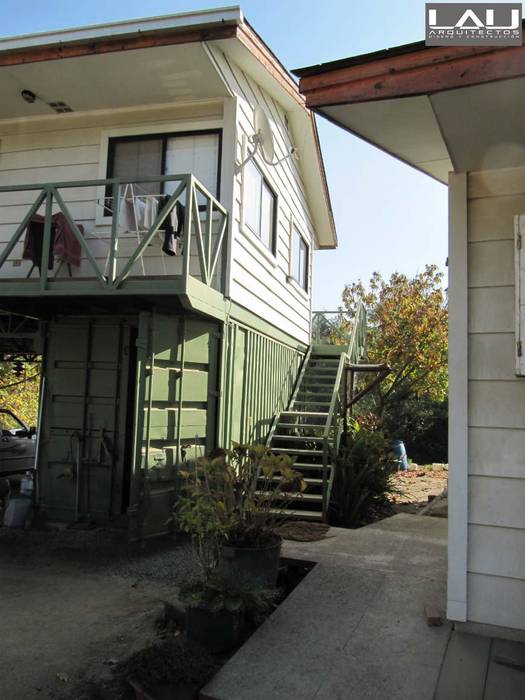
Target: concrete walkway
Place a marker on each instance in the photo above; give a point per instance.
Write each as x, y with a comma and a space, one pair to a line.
355, 628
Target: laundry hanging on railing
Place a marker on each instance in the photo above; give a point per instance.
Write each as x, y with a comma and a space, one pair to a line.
137, 213
173, 227
63, 244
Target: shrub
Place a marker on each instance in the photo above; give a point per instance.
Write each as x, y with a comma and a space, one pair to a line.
363, 479
422, 424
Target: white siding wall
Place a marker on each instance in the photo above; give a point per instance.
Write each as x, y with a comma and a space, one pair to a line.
496, 436
68, 147
257, 282
61, 148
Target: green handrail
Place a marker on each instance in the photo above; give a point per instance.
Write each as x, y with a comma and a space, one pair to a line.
187, 185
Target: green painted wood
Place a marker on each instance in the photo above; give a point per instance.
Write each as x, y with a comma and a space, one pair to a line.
179, 410
259, 374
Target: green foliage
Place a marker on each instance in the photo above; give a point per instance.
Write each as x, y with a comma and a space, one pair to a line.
218, 593
20, 393
422, 424
407, 329
230, 497
363, 479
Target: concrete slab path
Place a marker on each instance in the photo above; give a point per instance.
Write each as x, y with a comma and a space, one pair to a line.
355, 628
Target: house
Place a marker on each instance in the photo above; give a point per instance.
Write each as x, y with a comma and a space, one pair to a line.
153, 250
455, 114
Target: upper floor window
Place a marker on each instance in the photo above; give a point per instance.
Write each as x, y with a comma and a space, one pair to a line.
259, 206
299, 258
197, 153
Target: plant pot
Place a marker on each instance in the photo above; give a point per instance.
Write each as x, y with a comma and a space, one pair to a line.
256, 565
215, 631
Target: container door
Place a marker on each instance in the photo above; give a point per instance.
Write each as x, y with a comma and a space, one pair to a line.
175, 413
82, 438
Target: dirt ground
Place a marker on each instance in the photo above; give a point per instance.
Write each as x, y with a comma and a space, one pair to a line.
415, 486
72, 604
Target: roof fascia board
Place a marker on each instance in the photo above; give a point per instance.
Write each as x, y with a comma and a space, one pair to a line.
104, 46
165, 23
424, 72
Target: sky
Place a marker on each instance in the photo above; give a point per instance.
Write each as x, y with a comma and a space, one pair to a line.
389, 217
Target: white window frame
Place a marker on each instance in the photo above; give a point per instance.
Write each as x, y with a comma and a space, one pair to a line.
290, 277
143, 130
269, 255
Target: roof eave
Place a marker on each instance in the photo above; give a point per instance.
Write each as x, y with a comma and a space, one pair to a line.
408, 71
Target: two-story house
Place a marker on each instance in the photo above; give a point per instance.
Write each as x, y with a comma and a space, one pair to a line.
162, 255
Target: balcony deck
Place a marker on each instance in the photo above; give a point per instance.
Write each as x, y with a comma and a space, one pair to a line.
120, 249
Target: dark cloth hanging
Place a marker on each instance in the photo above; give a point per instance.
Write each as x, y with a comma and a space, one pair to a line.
63, 243
66, 246
173, 227
33, 243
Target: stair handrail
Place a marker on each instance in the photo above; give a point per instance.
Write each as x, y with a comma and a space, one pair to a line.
300, 376
358, 337
329, 424
355, 350
295, 391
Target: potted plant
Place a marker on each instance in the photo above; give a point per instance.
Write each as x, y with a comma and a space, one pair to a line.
216, 608
229, 501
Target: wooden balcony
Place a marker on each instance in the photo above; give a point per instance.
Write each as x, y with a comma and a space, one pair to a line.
114, 258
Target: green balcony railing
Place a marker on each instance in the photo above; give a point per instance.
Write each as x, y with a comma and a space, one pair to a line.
114, 257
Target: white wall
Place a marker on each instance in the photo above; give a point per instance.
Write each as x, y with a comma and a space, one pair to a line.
71, 147
68, 147
259, 281
496, 413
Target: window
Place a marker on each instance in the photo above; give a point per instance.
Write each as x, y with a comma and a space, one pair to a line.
259, 206
299, 262
167, 154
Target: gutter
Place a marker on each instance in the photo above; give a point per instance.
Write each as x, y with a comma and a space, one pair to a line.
134, 27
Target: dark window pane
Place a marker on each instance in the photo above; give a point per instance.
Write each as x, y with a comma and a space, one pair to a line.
137, 158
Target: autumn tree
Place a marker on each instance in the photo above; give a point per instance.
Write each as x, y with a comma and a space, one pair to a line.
407, 329
19, 389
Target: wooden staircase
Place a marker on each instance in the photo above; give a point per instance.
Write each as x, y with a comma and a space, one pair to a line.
310, 428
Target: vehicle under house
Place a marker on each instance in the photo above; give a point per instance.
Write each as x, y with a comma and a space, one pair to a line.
159, 259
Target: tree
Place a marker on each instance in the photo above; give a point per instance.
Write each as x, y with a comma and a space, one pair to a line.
407, 329
19, 388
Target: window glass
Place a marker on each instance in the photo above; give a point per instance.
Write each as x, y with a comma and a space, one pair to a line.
138, 157
299, 263
259, 203
197, 154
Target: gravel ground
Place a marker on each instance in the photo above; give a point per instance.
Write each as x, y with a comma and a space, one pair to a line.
78, 600
416, 485
102, 550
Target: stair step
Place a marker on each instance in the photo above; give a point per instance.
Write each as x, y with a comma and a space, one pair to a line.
304, 413
318, 381
332, 359
300, 514
307, 479
295, 451
317, 393
293, 495
316, 403
315, 426
304, 438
